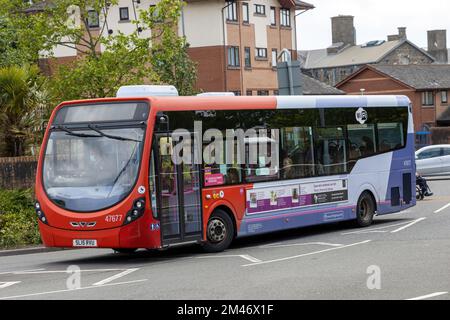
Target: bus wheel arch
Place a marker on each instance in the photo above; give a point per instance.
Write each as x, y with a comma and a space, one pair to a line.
220, 230
366, 208
230, 213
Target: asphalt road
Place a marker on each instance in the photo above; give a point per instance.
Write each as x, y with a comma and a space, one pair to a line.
402, 256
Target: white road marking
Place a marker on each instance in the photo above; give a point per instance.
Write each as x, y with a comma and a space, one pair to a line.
300, 244
115, 277
370, 230
306, 254
431, 295
69, 290
243, 256
443, 208
64, 271
15, 272
408, 225
4, 285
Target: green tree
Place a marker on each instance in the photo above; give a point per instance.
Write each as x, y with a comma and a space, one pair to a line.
23, 106
152, 53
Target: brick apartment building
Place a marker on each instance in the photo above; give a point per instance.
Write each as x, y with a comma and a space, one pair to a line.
345, 56
235, 43
427, 86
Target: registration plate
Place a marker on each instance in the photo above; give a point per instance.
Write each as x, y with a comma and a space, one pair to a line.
84, 243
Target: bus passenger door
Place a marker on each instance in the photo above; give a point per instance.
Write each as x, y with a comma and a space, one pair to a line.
179, 196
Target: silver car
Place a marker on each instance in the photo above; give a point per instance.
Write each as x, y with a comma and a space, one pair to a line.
433, 160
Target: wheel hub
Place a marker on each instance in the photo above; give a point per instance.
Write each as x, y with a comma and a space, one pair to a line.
216, 230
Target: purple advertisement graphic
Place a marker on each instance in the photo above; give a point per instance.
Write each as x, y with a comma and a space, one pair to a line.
302, 195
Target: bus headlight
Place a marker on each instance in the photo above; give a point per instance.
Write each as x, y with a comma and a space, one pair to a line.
40, 213
136, 212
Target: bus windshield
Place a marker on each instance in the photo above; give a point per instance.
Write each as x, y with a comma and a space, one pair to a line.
89, 170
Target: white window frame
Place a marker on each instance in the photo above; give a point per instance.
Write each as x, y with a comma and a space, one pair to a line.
444, 94
233, 57
245, 12
274, 58
428, 99
273, 16
260, 9
232, 11
261, 50
285, 17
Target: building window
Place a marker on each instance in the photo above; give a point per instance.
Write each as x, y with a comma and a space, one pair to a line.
284, 56
249, 92
233, 57
273, 16
444, 96
124, 14
285, 17
263, 92
93, 20
274, 58
276, 92
247, 57
231, 11
260, 9
261, 53
245, 13
428, 98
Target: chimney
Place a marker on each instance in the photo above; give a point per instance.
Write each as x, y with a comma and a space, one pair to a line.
402, 33
437, 45
400, 36
343, 30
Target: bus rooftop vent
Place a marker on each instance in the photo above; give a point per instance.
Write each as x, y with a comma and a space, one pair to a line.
147, 91
216, 94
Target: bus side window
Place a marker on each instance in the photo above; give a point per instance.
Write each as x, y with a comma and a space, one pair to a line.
223, 174
361, 140
390, 136
296, 152
330, 151
267, 164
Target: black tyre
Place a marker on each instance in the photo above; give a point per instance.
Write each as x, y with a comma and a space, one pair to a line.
125, 250
365, 210
219, 232
419, 193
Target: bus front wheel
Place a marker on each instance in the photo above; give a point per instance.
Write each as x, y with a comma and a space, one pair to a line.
219, 232
365, 210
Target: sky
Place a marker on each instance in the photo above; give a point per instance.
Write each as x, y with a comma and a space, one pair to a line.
374, 20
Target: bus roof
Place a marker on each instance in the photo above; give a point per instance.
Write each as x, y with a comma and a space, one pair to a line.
277, 102
187, 103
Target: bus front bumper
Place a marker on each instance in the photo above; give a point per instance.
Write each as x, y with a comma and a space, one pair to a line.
129, 236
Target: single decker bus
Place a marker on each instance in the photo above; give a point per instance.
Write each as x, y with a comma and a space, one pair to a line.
108, 174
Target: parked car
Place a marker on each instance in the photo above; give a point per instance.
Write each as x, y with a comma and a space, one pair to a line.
433, 160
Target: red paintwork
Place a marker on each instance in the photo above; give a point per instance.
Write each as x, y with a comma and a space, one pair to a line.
138, 234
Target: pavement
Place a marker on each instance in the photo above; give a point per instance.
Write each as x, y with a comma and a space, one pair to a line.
402, 256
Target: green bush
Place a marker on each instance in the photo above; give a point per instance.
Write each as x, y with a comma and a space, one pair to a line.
18, 221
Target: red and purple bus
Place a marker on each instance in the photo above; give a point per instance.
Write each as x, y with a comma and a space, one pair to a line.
107, 177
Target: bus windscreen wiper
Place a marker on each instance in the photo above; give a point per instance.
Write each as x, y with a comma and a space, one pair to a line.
73, 133
111, 136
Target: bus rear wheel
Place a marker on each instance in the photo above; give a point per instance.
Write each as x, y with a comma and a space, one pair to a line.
365, 210
219, 232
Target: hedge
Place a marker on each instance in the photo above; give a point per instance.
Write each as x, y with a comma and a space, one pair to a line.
18, 221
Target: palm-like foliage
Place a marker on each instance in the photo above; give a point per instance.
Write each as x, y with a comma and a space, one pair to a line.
22, 107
